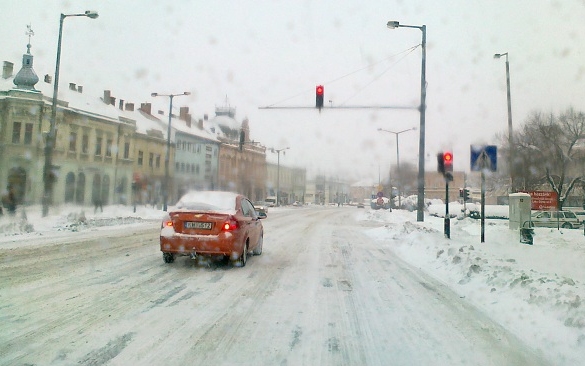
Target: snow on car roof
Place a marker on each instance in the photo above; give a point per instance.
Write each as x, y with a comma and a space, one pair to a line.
208, 200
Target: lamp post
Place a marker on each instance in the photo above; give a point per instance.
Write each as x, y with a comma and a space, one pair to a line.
48, 175
423, 94
278, 151
168, 149
510, 132
397, 161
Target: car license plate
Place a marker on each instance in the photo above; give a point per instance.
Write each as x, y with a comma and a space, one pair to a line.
198, 225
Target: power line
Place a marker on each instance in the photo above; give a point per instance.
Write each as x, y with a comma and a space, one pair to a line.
405, 52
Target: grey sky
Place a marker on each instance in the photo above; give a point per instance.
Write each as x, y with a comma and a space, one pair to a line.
271, 52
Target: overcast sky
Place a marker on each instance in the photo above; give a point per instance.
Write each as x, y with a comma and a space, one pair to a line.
256, 53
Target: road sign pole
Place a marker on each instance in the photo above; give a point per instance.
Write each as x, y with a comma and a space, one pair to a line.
482, 206
447, 229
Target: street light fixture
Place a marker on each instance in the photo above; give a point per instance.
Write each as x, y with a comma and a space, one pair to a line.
168, 150
510, 131
48, 175
423, 94
278, 151
397, 162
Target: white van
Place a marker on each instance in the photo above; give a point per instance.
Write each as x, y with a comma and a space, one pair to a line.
270, 201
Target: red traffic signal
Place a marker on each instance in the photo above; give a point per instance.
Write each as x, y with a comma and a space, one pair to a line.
319, 95
448, 161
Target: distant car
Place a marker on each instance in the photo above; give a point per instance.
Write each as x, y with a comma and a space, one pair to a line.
297, 204
564, 219
360, 205
261, 207
212, 223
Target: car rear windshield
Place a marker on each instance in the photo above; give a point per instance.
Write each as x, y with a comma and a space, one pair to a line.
208, 201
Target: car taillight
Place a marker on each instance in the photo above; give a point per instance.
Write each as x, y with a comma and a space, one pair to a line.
167, 222
230, 224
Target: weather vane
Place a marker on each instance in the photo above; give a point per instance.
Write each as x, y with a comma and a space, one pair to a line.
29, 32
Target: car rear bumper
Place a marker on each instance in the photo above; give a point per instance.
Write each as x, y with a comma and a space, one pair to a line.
198, 245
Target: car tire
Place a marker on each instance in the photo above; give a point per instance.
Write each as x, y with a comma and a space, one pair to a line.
168, 257
567, 225
258, 249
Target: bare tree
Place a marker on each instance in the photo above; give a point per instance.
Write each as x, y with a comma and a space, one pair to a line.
546, 152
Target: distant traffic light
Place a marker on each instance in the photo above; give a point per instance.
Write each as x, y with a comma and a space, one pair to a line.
440, 163
319, 95
466, 195
461, 192
448, 161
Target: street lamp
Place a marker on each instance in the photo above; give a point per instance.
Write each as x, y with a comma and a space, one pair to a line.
278, 151
423, 94
168, 150
48, 175
397, 161
510, 132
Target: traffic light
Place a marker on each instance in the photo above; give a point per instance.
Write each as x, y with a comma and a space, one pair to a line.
440, 163
319, 95
461, 192
448, 161
466, 195
242, 139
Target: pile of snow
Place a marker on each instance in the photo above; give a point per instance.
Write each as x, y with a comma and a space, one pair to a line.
73, 218
536, 291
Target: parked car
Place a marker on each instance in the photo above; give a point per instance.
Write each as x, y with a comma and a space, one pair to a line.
211, 223
564, 219
360, 205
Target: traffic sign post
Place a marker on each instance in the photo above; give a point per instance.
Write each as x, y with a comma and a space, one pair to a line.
483, 158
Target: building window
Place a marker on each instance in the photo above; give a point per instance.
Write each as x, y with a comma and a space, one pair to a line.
157, 161
150, 160
72, 141
126, 150
85, 144
98, 146
208, 147
28, 132
178, 144
140, 157
16, 132
109, 148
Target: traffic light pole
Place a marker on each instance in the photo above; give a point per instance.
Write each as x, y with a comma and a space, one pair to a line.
447, 229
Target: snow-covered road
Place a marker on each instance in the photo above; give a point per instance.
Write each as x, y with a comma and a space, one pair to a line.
322, 293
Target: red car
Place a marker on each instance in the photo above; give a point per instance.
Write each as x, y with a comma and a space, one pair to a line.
212, 223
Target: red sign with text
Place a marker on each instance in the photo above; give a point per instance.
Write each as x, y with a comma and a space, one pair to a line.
543, 200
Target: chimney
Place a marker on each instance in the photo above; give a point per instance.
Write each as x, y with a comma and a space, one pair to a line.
107, 96
72, 86
205, 117
183, 111
7, 69
161, 112
200, 124
130, 107
188, 120
121, 104
113, 101
146, 108
80, 88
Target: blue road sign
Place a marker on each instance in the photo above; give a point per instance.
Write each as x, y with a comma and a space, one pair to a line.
484, 157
